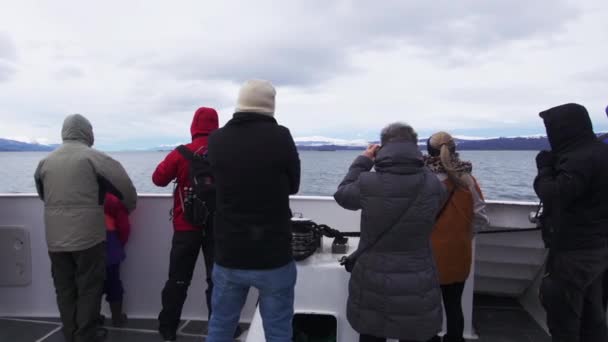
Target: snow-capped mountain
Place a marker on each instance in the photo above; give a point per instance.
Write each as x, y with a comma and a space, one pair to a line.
534, 142
324, 141
9, 145
319, 143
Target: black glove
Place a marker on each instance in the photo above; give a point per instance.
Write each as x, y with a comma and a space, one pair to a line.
545, 159
547, 236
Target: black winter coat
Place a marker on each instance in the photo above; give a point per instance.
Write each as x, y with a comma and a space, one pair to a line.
256, 167
574, 188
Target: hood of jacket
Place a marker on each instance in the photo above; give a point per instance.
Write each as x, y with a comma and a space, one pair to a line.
567, 126
204, 122
399, 158
77, 128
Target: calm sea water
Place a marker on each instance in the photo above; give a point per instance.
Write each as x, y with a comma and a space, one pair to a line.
503, 175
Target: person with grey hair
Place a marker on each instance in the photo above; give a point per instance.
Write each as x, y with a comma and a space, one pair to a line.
398, 132
394, 289
72, 181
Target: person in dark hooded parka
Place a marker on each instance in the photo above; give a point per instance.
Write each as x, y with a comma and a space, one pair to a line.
394, 288
604, 138
573, 186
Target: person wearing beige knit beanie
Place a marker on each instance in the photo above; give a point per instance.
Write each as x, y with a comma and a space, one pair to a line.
256, 167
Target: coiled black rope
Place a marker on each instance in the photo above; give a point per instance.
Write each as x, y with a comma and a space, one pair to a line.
306, 237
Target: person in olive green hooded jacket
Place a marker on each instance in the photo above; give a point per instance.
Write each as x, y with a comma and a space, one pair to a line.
72, 181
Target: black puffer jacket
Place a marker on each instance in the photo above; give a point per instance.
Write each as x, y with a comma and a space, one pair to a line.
575, 187
394, 288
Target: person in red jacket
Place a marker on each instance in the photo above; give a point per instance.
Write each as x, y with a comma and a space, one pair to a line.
117, 235
187, 239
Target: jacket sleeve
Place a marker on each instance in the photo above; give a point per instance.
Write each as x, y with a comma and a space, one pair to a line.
166, 171
567, 181
122, 223
480, 217
293, 165
38, 180
348, 195
115, 209
113, 177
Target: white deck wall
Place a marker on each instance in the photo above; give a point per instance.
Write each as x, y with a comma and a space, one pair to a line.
145, 270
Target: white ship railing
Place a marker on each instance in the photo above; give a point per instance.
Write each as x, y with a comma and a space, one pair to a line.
506, 264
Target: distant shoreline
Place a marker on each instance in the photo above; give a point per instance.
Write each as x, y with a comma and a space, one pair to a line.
536, 143
307, 149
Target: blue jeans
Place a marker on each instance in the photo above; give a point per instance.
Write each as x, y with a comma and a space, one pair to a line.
231, 286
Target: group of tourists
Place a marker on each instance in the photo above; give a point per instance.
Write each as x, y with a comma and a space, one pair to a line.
419, 214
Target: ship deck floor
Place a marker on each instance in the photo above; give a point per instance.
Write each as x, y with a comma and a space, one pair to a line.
495, 320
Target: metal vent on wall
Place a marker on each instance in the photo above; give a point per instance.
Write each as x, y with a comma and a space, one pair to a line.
15, 256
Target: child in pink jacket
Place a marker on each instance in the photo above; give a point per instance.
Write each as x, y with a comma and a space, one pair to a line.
118, 228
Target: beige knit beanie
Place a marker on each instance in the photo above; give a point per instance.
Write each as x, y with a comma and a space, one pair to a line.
256, 96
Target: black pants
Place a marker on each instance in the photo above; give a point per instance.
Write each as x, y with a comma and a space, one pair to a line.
79, 281
368, 338
113, 285
574, 314
452, 302
605, 291
184, 253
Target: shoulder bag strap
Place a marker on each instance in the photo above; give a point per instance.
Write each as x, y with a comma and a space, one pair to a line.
185, 152
445, 204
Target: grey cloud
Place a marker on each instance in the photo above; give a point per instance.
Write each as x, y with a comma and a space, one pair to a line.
190, 102
7, 71
444, 24
319, 48
8, 50
597, 75
507, 96
68, 72
286, 62
8, 57
175, 97
285, 65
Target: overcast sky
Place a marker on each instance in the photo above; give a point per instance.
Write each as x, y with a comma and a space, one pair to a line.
139, 69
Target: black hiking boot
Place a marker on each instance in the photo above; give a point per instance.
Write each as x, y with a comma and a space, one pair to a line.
167, 335
119, 318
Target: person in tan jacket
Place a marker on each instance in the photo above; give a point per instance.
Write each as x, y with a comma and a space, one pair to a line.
463, 214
